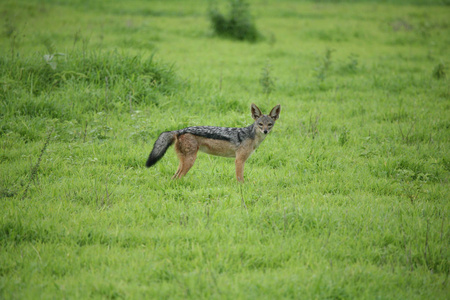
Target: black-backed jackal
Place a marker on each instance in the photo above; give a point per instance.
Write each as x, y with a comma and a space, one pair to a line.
222, 141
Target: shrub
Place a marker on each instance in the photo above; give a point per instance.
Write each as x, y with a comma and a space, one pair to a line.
439, 71
238, 25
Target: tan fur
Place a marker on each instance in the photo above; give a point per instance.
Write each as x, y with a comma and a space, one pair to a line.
216, 147
187, 146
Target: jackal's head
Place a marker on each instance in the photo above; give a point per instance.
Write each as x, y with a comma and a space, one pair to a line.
264, 123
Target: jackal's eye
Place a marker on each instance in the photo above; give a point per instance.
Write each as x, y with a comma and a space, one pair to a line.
260, 124
270, 124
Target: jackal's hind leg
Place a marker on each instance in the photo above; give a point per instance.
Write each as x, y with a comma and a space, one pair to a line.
185, 165
177, 172
186, 148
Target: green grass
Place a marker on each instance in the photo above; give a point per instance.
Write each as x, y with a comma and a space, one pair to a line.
347, 198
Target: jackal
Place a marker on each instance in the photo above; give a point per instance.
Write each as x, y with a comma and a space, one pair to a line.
221, 141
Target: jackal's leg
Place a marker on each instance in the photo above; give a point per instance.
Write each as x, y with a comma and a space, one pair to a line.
186, 165
178, 170
239, 170
186, 148
241, 157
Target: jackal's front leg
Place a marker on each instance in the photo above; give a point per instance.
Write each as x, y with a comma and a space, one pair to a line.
239, 170
240, 162
241, 156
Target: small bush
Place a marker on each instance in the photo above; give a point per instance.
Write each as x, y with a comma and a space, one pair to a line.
238, 25
439, 71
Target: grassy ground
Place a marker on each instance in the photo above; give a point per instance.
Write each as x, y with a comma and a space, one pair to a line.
347, 198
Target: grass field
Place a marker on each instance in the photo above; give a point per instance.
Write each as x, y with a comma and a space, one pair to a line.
348, 198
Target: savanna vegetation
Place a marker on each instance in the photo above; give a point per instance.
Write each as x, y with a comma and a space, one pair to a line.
346, 199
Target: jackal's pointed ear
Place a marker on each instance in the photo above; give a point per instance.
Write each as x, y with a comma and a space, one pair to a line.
275, 112
256, 112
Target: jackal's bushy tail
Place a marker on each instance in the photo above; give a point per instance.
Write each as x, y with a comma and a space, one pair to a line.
164, 141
